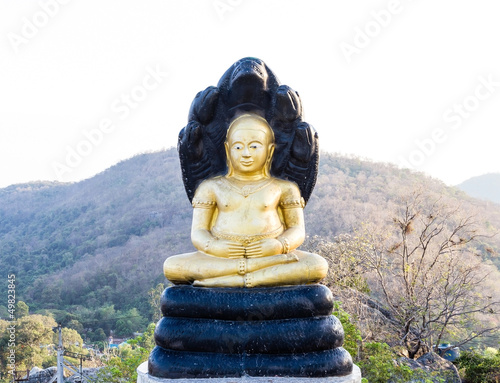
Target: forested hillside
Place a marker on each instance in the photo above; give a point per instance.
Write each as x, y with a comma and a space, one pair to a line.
92, 231
100, 243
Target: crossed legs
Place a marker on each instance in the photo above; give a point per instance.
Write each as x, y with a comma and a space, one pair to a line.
200, 269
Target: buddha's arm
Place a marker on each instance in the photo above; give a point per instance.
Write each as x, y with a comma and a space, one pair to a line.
204, 205
292, 207
295, 232
200, 233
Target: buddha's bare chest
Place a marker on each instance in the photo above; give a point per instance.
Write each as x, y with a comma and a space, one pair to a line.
241, 199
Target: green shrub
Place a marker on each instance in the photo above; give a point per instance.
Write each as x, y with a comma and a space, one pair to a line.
123, 367
477, 368
352, 336
378, 365
377, 361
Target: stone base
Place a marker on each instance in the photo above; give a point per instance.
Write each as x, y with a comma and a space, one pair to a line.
354, 377
209, 333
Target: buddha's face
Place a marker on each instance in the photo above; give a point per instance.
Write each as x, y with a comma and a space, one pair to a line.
249, 148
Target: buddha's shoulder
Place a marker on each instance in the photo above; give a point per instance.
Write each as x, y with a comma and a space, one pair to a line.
210, 184
284, 184
210, 181
288, 188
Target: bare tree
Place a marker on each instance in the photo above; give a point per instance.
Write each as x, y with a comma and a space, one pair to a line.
348, 261
416, 281
429, 276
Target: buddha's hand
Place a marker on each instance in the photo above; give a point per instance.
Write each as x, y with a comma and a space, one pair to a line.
263, 248
225, 249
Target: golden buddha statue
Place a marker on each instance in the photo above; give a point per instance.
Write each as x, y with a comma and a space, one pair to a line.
247, 225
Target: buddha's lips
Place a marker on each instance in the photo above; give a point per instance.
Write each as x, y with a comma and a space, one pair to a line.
246, 163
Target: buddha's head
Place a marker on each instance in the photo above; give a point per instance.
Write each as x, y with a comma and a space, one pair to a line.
249, 146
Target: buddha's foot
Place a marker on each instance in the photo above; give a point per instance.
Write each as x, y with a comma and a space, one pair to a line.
244, 278
225, 281
254, 264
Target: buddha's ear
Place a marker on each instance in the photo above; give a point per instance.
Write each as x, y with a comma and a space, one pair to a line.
228, 160
267, 167
271, 152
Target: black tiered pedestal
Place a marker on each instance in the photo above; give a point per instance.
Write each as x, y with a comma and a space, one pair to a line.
232, 332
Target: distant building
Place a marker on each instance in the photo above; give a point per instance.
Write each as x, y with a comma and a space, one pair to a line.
116, 342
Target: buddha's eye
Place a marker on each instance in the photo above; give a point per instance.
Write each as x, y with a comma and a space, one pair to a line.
238, 147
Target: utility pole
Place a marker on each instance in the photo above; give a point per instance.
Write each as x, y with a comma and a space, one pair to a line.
60, 359
62, 363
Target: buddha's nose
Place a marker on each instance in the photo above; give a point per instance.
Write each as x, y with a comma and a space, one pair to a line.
246, 152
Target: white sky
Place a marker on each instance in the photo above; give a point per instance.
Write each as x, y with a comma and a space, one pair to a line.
67, 76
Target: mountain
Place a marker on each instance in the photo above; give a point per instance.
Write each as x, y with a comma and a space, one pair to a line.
91, 229
102, 241
486, 187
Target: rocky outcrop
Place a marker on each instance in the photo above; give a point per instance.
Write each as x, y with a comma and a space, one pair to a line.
38, 375
89, 373
433, 367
